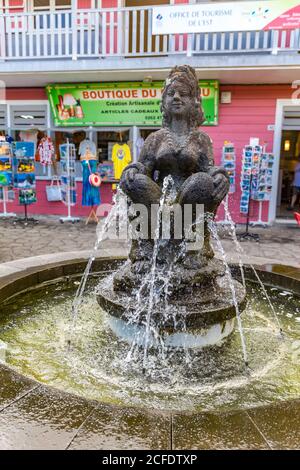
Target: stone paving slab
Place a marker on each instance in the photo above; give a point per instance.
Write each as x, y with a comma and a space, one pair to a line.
43, 419
205, 431
13, 387
123, 429
277, 244
279, 423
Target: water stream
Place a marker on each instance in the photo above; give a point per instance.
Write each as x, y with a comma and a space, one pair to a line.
240, 252
214, 232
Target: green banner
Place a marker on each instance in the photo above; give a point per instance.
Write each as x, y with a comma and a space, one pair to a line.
119, 104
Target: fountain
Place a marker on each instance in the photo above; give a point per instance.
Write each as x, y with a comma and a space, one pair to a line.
180, 382
174, 287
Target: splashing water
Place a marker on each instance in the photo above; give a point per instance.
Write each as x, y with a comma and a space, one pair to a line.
237, 245
115, 216
168, 183
213, 230
240, 253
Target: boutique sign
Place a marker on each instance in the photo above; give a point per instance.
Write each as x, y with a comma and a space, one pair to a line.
119, 104
229, 16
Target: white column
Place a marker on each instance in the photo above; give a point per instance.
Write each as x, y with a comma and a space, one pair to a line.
135, 135
74, 29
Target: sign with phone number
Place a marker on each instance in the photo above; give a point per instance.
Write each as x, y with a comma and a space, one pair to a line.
120, 104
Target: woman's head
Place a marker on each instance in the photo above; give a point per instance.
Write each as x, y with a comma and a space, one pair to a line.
181, 97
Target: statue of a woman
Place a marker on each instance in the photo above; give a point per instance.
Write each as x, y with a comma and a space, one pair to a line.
179, 149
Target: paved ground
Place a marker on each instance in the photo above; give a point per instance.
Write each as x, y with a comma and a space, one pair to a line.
278, 244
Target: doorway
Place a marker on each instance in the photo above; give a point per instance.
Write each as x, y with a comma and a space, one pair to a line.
286, 151
290, 151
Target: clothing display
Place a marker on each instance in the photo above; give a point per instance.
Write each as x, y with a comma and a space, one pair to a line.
90, 194
46, 151
121, 157
139, 145
29, 136
85, 145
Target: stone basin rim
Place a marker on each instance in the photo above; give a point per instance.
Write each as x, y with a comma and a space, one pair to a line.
70, 265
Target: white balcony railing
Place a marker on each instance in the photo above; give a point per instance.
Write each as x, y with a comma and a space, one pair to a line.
124, 32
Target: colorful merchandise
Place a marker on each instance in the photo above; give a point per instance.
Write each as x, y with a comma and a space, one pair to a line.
27, 196
90, 193
68, 180
6, 177
256, 177
121, 157
106, 170
24, 165
263, 188
46, 151
228, 162
249, 176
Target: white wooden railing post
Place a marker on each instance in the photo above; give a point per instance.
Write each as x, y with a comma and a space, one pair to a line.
275, 39
189, 48
2, 35
74, 30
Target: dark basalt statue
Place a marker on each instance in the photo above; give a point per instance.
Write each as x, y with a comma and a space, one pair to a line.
182, 151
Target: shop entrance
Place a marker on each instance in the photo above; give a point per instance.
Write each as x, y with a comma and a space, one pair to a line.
288, 194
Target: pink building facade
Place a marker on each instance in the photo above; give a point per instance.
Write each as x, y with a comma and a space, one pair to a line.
258, 70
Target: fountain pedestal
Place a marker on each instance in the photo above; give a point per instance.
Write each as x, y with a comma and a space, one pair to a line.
199, 309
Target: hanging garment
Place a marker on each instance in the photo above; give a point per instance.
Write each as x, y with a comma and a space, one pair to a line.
90, 194
139, 145
46, 151
86, 145
121, 157
29, 136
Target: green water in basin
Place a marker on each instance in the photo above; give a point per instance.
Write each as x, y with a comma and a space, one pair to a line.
36, 327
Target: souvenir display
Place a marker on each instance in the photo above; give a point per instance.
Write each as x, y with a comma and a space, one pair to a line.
249, 175
263, 189
228, 162
68, 179
27, 196
24, 165
6, 176
106, 170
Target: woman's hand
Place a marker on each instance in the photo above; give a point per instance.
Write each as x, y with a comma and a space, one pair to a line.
129, 174
221, 183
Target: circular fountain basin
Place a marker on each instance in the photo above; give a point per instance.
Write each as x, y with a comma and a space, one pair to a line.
36, 327
46, 386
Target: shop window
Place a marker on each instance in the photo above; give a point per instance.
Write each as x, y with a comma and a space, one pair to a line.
49, 5
3, 117
28, 117
12, 7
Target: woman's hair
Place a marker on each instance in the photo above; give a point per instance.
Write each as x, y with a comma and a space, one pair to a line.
186, 75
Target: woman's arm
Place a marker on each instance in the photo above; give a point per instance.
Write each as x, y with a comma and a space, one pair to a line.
145, 164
